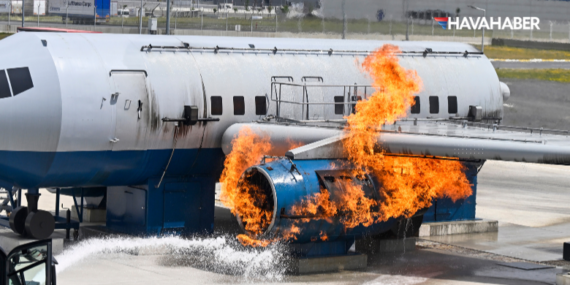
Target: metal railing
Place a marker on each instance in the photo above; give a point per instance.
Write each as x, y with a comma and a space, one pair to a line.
350, 95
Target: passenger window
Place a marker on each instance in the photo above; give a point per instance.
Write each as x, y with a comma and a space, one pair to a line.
452, 104
20, 79
433, 105
260, 105
239, 106
216, 102
339, 108
416, 107
4, 87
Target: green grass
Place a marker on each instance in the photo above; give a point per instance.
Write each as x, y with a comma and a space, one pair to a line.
4, 35
503, 52
558, 75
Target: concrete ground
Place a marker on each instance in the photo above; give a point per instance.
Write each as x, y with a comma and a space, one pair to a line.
530, 201
539, 104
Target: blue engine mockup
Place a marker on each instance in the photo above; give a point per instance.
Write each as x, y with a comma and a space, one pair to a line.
286, 183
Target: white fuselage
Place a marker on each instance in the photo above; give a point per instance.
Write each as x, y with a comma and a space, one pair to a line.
94, 114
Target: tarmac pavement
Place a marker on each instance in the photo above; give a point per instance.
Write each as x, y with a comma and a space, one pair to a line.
530, 201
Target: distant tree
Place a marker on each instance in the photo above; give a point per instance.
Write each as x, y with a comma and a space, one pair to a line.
457, 11
235, 10
285, 9
247, 5
269, 9
215, 10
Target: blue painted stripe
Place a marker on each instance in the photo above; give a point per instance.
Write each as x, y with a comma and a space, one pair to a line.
104, 168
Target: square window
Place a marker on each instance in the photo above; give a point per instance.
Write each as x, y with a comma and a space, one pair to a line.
260, 105
339, 108
433, 105
20, 79
416, 107
239, 106
216, 108
452, 104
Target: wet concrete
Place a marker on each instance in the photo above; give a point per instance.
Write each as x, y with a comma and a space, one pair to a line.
530, 201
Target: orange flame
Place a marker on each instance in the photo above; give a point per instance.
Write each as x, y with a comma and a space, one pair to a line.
354, 207
249, 241
317, 205
245, 200
409, 184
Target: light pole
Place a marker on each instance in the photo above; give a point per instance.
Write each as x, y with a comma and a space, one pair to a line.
123, 19
140, 18
23, 14
483, 34
168, 17
66, 14
343, 20
39, 16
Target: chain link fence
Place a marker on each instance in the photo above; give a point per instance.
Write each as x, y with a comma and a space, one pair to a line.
187, 17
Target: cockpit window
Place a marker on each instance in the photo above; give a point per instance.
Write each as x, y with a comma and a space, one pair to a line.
20, 79
4, 87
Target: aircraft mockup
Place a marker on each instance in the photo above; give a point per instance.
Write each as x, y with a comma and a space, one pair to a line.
150, 118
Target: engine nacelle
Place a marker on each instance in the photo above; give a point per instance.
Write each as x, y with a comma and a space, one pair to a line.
286, 183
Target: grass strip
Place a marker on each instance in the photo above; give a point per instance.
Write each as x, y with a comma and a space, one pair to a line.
503, 52
557, 75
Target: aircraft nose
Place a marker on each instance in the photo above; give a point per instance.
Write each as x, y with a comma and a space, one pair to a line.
30, 111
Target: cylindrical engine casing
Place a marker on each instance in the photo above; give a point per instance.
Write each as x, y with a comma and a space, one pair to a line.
289, 182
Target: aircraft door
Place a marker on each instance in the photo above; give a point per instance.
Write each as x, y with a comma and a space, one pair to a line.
131, 110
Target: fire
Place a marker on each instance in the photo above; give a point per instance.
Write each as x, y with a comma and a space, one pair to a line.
408, 184
245, 200
289, 234
248, 241
355, 208
293, 144
317, 205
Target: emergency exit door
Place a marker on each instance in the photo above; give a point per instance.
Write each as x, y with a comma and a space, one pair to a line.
131, 110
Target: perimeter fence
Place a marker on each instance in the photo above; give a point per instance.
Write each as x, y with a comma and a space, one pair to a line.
413, 20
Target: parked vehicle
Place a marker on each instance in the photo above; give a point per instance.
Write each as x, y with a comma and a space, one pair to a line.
31, 263
82, 11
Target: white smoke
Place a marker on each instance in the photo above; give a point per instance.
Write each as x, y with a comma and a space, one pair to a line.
221, 254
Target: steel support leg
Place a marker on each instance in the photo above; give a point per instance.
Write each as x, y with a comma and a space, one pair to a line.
57, 202
33, 196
